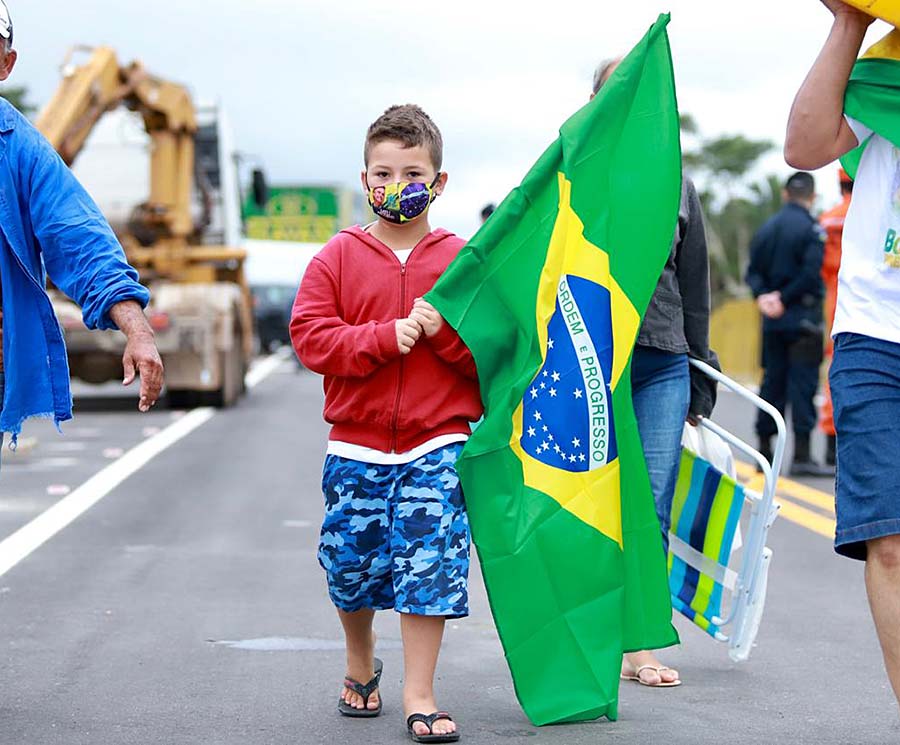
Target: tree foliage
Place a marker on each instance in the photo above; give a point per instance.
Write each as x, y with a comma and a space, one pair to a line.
734, 207
17, 95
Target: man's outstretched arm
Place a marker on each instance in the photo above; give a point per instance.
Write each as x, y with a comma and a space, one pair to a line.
817, 132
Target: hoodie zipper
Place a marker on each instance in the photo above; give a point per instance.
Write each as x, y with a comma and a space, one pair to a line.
402, 361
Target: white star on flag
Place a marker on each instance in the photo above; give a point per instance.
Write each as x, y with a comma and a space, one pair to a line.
550, 438
537, 416
577, 393
546, 373
549, 343
557, 448
555, 376
571, 459
532, 431
534, 393
576, 443
543, 385
552, 392
544, 428
581, 457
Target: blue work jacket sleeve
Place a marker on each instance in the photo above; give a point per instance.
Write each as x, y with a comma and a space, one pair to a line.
755, 276
809, 278
81, 253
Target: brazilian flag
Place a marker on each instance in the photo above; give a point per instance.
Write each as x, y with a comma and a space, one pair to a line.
549, 297
873, 93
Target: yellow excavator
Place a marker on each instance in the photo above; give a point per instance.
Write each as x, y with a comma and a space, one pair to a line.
201, 306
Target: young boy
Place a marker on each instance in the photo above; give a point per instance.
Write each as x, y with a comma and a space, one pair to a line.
865, 371
400, 393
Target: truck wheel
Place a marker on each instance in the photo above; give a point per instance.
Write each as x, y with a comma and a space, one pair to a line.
232, 376
183, 399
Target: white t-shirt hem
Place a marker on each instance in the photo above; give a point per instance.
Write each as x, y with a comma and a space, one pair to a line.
370, 455
874, 331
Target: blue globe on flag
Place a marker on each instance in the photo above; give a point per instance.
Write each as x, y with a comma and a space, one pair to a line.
567, 409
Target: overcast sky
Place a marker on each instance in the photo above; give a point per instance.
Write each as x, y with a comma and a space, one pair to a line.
302, 80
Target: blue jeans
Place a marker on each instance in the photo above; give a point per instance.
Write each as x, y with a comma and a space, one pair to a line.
865, 388
661, 393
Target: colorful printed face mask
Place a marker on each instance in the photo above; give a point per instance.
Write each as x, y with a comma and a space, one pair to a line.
402, 201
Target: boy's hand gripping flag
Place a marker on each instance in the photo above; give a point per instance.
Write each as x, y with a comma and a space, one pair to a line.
549, 296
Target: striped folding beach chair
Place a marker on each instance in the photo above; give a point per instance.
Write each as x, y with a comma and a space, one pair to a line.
720, 589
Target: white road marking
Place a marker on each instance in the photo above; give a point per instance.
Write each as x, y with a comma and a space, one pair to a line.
44, 464
265, 367
19, 506
83, 432
72, 446
46, 525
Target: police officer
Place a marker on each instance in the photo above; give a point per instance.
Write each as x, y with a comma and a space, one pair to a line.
785, 275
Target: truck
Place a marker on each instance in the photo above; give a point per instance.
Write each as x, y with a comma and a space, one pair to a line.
183, 239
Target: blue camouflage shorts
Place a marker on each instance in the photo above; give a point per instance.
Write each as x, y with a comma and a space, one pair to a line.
396, 536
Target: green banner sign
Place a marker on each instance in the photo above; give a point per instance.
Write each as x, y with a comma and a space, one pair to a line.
307, 214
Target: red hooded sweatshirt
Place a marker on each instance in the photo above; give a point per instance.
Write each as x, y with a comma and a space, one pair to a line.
342, 326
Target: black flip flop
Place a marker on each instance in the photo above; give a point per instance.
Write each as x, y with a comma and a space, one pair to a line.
365, 691
428, 720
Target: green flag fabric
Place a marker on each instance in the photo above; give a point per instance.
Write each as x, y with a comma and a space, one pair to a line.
873, 95
549, 297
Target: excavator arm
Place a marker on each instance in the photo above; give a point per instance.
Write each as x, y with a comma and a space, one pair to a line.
100, 84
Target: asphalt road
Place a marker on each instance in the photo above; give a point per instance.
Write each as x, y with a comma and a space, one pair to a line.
186, 606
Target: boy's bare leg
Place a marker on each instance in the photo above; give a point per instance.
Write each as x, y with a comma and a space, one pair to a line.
421, 644
883, 586
360, 652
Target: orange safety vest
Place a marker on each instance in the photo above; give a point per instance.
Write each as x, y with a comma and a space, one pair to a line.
833, 223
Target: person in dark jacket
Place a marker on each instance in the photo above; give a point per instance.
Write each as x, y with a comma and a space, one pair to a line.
666, 390
785, 275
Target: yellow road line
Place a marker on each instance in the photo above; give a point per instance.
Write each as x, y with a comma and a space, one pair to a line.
795, 489
823, 525
808, 519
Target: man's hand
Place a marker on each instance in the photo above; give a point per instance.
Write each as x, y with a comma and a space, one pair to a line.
839, 8
141, 356
770, 305
408, 333
426, 315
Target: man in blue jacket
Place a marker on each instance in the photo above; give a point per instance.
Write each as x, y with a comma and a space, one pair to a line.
785, 275
47, 220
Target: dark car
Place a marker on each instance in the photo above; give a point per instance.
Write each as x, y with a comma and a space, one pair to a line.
272, 309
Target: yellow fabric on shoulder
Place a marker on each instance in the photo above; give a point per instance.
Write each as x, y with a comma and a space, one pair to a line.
886, 10
887, 48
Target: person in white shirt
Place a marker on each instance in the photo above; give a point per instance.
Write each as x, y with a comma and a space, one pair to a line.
865, 374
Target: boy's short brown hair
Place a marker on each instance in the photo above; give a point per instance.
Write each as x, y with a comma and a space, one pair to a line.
409, 125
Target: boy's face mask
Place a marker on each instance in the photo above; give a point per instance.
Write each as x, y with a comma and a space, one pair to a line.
402, 201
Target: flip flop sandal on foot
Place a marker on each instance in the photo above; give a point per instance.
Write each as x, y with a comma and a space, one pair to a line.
365, 691
658, 670
428, 720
